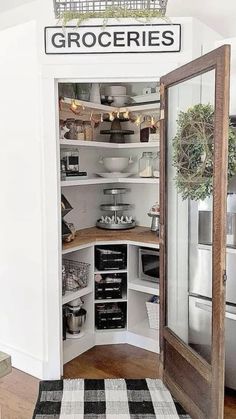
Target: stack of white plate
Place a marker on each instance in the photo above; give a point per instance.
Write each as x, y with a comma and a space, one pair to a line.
118, 93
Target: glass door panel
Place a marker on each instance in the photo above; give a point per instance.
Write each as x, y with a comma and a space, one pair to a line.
190, 176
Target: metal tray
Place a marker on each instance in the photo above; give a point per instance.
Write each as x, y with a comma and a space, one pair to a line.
115, 226
117, 207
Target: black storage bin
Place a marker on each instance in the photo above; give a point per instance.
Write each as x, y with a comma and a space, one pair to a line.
110, 257
110, 316
108, 291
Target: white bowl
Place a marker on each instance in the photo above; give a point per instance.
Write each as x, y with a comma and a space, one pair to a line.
115, 164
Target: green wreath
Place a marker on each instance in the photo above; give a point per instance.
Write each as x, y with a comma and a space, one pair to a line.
193, 152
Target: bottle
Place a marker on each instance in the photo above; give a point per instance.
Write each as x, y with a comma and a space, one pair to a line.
146, 165
156, 165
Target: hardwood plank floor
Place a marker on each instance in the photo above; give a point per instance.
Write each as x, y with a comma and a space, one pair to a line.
18, 391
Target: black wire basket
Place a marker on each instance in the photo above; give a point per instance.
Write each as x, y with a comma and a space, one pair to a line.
84, 6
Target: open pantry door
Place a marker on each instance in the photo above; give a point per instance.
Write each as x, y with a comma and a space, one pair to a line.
194, 150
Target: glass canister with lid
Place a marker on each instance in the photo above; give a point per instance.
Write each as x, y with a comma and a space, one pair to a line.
156, 165
146, 165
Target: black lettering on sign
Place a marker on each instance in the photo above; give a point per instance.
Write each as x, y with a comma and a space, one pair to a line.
57, 42
73, 37
169, 39
100, 39
144, 39
85, 39
154, 38
133, 37
119, 36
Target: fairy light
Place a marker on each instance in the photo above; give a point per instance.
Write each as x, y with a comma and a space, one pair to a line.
138, 120
74, 107
126, 114
111, 117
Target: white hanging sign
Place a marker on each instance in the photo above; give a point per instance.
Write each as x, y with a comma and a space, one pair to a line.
138, 38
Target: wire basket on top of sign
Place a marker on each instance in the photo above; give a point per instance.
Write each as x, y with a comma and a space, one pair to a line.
85, 6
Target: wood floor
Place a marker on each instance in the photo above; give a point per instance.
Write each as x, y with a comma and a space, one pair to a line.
18, 391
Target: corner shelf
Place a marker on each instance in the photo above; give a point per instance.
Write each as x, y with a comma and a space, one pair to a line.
102, 181
144, 286
111, 271
72, 295
101, 144
152, 106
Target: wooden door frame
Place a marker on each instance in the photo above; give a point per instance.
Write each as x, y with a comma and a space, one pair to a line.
218, 60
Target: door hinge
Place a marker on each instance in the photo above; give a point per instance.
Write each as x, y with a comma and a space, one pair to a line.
224, 277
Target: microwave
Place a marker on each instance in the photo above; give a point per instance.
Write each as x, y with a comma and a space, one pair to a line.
149, 265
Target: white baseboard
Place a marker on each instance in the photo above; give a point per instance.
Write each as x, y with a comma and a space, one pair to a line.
24, 361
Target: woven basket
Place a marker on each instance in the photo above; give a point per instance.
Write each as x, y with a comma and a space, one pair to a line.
153, 314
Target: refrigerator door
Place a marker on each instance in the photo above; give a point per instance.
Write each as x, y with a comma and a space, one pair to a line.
201, 273
200, 334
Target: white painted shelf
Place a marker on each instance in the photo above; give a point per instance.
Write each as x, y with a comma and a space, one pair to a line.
99, 144
124, 329
112, 300
152, 106
143, 329
101, 181
70, 296
144, 286
112, 271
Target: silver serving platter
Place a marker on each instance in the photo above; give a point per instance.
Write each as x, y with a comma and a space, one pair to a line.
117, 207
115, 226
115, 191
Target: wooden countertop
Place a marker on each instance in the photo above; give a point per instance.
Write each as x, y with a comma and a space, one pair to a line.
94, 234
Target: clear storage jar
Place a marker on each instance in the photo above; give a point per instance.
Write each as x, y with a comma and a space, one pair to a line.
146, 165
156, 166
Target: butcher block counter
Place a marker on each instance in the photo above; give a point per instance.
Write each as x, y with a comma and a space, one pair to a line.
93, 235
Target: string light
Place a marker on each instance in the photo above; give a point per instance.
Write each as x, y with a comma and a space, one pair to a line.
111, 117
74, 107
138, 120
126, 114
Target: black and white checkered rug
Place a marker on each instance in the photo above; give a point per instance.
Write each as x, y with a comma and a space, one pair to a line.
106, 399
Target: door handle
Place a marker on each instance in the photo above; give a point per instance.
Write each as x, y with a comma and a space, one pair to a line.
206, 307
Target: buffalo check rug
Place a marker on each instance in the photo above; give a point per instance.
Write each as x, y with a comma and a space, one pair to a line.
106, 399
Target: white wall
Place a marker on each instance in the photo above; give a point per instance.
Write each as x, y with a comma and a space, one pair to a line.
21, 252
30, 243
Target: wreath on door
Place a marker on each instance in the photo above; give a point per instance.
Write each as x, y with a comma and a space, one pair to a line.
193, 148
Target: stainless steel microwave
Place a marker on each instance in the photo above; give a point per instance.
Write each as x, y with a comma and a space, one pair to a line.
149, 265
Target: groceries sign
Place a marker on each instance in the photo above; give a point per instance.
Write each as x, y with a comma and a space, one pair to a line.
113, 39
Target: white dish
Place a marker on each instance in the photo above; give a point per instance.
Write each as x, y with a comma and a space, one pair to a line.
152, 97
114, 175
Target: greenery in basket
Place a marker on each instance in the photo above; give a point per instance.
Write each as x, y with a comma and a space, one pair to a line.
193, 152
112, 12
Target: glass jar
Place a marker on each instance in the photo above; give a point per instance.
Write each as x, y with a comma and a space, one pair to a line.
146, 165
156, 165
80, 130
88, 131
